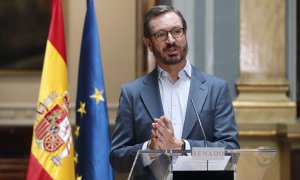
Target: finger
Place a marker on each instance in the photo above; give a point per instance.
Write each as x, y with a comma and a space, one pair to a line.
166, 137
161, 124
155, 145
156, 119
166, 128
160, 135
158, 124
169, 126
154, 126
162, 129
163, 119
160, 144
165, 141
168, 123
153, 134
162, 138
153, 130
163, 132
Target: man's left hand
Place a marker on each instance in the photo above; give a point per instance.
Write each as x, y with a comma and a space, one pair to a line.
165, 134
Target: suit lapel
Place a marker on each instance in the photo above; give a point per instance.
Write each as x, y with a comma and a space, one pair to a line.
151, 96
198, 92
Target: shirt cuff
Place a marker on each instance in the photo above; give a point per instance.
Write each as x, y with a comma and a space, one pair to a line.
145, 157
187, 146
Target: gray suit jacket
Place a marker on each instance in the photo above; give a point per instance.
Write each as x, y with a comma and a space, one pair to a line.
140, 103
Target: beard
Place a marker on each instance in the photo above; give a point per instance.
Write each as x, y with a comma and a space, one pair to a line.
173, 60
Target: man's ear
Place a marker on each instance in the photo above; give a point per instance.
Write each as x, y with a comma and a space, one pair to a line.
148, 43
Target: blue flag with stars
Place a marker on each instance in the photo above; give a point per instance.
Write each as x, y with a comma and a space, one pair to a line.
92, 143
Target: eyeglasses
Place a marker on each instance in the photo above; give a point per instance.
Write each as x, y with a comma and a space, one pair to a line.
163, 35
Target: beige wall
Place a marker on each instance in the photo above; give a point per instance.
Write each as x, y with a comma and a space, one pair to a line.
116, 24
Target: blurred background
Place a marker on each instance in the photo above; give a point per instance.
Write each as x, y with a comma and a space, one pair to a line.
253, 44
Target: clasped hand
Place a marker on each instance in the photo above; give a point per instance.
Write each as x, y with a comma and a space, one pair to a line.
162, 135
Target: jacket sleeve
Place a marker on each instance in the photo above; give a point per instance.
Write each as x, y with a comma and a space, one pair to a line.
124, 148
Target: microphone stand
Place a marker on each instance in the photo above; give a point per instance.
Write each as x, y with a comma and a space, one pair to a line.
199, 120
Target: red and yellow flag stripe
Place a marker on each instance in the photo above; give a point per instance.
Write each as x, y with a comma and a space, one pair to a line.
52, 145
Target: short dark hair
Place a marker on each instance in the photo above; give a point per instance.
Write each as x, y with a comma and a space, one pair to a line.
159, 10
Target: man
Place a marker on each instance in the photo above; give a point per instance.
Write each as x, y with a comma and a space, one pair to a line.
157, 112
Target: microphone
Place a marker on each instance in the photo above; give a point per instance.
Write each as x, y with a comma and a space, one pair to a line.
198, 118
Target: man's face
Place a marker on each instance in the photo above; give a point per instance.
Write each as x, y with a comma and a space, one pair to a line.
172, 50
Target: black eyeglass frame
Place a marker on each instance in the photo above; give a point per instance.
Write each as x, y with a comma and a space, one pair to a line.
167, 33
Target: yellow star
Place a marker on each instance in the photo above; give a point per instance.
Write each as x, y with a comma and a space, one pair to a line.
79, 177
98, 96
76, 158
77, 131
81, 110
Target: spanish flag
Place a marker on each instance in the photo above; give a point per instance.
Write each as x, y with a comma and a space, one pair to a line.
52, 149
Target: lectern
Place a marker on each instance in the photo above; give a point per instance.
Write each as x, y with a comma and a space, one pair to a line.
235, 164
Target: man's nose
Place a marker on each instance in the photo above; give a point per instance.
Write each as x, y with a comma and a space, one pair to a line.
170, 39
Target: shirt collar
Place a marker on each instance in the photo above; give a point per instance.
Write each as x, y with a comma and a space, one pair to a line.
186, 71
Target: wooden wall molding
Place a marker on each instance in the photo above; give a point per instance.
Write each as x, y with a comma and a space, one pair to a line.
17, 114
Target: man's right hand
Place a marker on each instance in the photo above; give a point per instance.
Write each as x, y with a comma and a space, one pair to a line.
152, 144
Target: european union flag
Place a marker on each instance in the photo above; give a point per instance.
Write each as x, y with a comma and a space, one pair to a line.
92, 144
